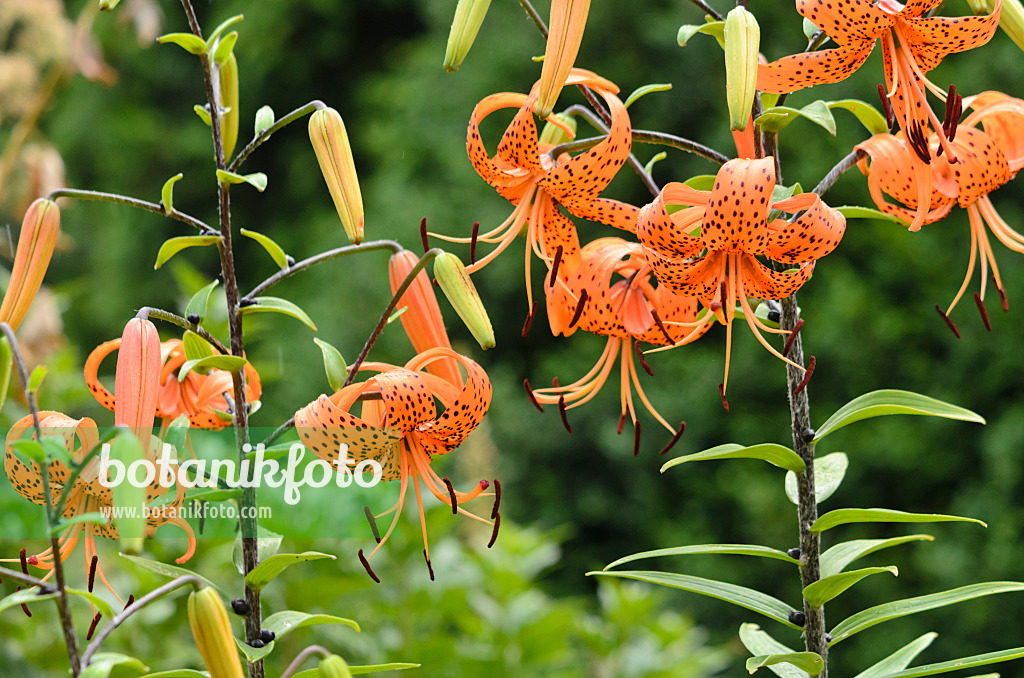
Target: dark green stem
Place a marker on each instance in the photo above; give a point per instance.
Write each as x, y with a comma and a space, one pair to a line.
267, 133
81, 194
300, 266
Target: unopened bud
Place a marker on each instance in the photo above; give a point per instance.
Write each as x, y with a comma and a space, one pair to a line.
39, 231
333, 152
568, 19
742, 38
212, 632
1011, 17
229, 104
469, 14
334, 667
137, 380
555, 134
461, 292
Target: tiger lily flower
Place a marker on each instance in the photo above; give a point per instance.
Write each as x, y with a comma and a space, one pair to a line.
912, 45
990, 149
734, 230
523, 173
39, 231
200, 397
402, 430
630, 309
87, 494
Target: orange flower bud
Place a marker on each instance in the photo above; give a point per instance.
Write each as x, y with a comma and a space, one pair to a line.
137, 380
333, 152
568, 19
35, 246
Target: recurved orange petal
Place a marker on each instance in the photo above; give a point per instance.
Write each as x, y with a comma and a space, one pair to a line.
798, 71
930, 39
738, 206
815, 234
479, 157
845, 21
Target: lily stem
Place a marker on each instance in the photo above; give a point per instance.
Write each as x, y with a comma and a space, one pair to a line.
644, 137
841, 168
167, 316
260, 138
155, 208
302, 657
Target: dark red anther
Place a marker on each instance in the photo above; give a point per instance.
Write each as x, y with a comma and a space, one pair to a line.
721, 392
366, 566
554, 266
92, 626
497, 499
640, 357
92, 571
373, 523
807, 377
949, 322
983, 311
675, 438
24, 607
561, 413
622, 422
529, 319
1002, 299
451, 493
131, 599
958, 110
24, 562
554, 382
919, 144
661, 326
636, 438
430, 568
947, 118
494, 533
529, 393
792, 337
472, 242
423, 235
886, 108
579, 309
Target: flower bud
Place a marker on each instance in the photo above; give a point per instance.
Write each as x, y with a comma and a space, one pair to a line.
333, 152
1011, 17
39, 231
212, 631
565, 33
334, 667
455, 283
229, 102
554, 134
469, 14
137, 380
742, 38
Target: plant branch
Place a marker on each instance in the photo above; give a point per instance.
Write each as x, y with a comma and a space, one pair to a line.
841, 168
267, 133
302, 657
708, 9
27, 579
155, 208
645, 137
183, 323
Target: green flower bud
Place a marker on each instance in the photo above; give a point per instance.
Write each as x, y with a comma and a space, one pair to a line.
469, 14
212, 631
334, 667
333, 152
229, 102
742, 39
455, 283
555, 135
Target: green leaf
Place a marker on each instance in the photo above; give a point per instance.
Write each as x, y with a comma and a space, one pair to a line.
846, 516
652, 162
254, 654
712, 28
101, 605
282, 623
203, 114
177, 431
94, 517
900, 659
778, 117
890, 401
780, 456
26, 596
102, 663
178, 673
361, 670
196, 347
701, 182
108, 5
759, 642
199, 301
31, 449
733, 549
827, 588
35, 380
868, 115
278, 305
6, 363
228, 363
192, 44
272, 248
169, 571
858, 212
226, 24
334, 363
839, 556
257, 179
731, 593
809, 28
810, 662
224, 48
958, 664
828, 475
175, 245
265, 572
647, 89
131, 524
901, 608
167, 193
264, 119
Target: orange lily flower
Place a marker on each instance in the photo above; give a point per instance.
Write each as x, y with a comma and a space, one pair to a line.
402, 430
733, 231
199, 397
39, 231
523, 173
912, 45
990, 149
631, 309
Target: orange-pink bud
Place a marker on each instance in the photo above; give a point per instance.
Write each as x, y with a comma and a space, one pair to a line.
334, 153
568, 19
35, 246
137, 380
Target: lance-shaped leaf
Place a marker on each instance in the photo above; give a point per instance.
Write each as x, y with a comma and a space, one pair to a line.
101, 605
334, 364
777, 117
839, 556
361, 670
178, 673
219, 30
102, 663
846, 516
196, 347
169, 571
809, 662
272, 248
175, 245
731, 593
224, 48
758, 642
827, 588
167, 193
35, 380
228, 363
644, 90
780, 456
278, 305
254, 654
192, 44
873, 121
698, 549
93, 517
204, 114
264, 119
257, 180
959, 664
890, 401
900, 659
25, 597
716, 29
265, 572
283, 623
199, 301
901, 608
828, 475
858, 212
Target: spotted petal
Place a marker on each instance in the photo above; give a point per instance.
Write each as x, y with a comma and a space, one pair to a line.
669, 235
764, 283
738, 207
1002, 118
982, 167
812, 236
465, 412
932, 38
798, 71
845, 21
483, 164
